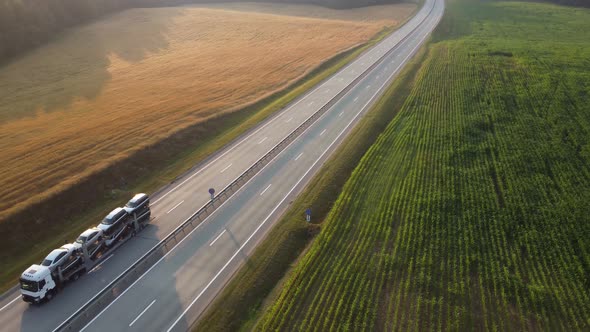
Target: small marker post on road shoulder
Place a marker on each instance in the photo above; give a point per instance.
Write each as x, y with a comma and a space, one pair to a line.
212, 193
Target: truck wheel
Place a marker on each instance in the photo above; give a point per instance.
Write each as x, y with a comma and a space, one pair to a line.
76, 276
49, 296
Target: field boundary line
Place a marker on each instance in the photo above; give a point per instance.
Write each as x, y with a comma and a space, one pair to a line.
229, 190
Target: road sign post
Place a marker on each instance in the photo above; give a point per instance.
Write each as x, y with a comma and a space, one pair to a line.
212, 193
308, 215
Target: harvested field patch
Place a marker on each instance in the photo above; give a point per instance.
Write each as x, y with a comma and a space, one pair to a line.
102, 91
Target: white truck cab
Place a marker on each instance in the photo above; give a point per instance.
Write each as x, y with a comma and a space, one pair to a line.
67, 263
41, 282
37, 284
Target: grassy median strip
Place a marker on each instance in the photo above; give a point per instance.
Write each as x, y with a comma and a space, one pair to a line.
158, 165
239, 304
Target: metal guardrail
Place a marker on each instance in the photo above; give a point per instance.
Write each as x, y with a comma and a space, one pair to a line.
108, 294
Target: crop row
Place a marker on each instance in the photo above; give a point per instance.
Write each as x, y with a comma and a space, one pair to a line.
471, 210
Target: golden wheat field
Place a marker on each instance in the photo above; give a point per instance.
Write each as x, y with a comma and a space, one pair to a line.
100, 91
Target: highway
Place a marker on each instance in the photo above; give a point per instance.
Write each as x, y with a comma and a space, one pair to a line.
175, 291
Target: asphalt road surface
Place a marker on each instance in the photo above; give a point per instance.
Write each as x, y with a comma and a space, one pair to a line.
175, 291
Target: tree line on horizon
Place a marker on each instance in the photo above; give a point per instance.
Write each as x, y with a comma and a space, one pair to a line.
26, 24
575, 3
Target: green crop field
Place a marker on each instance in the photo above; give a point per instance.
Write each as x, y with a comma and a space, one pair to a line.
472, 209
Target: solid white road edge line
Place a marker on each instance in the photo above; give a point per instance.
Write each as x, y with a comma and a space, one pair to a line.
143, 312
353, 71
226, 167
175, 206
292, 188
396, 45
303, 98
9, 303
217, 238
165, 255
265, 189
187, 236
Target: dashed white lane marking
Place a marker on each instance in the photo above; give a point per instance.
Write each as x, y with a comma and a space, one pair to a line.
248, 240
143, 312
226, 168
283, 200
289, 119
217, 238
368, 86
299, 156
265, 189
323, 131
350, 65
339, 115
9, 303
264, 139
355, 99
175, 206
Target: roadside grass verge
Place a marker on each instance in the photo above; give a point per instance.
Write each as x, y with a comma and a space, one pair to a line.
146, 171
471, 210
256, 283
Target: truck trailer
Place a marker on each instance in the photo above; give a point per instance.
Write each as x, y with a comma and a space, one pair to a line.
40, 282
